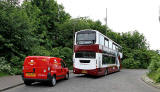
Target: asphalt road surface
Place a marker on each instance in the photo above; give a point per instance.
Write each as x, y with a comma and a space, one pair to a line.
124, 81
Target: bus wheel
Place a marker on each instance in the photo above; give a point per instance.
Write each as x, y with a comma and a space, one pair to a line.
119, 69
53, 81
106, 72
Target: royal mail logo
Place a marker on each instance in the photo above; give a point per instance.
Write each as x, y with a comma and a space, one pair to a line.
31, 62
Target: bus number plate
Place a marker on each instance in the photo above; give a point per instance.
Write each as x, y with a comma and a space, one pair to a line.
83, 71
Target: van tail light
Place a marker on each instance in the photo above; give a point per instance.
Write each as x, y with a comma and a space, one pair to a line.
44, 70
23, 68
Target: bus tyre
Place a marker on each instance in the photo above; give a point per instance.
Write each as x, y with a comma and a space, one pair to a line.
119, 69
53, 81
106, 72
67, 76
27, 83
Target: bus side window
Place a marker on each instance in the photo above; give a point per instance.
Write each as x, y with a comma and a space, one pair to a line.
114, 47
106, 42
110, 45
110, 60
101, 40
105, 59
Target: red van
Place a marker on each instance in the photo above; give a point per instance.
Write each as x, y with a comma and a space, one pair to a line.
44, 68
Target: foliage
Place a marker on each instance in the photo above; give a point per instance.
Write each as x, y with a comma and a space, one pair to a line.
4, 67
65, 53
15, 34
68, 29
154, 68
155, 63
39, 51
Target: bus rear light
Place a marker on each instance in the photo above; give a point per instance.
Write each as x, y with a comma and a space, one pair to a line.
96, 63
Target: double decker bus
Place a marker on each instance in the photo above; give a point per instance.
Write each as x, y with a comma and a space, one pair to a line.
95, 54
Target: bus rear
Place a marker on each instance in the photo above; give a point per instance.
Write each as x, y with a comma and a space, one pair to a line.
85, 56
85, 62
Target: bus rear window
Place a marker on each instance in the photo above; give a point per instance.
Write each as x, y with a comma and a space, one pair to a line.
85, 55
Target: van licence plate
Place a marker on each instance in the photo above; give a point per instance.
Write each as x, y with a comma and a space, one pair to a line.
83, 71
30, 74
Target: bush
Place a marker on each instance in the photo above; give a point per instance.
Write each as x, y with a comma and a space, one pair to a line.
137, 58
158, 75
40, 51
16, 71
4, 67
154, 68
130, 63
155, 63
64, 53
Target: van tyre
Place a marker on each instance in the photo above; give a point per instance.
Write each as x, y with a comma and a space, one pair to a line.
67, 76
53, 81
27, 83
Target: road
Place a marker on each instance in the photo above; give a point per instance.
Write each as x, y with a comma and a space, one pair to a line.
125, 81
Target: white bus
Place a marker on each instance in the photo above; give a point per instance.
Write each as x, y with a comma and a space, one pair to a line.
95, 54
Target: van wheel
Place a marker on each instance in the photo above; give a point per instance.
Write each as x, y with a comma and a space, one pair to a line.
67, 76
53, 81
28, 83
106, 72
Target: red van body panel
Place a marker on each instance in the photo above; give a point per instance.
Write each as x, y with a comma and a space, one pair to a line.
43, 68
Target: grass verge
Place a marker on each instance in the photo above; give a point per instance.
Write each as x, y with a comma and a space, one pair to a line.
3, 74
155, 76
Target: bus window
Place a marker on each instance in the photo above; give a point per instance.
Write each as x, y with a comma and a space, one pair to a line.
110, 44
101, 40
105, 59
106, 42
85, 55
86, 37
114, 47
108, 60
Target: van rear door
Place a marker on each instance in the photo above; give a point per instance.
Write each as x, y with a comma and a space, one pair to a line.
36, 67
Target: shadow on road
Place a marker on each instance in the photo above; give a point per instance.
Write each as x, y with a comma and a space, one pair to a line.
88, 76
45, 84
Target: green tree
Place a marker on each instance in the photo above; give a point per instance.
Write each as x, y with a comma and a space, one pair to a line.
51, 16
15, 33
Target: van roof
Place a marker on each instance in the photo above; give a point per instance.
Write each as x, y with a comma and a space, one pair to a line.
41, 57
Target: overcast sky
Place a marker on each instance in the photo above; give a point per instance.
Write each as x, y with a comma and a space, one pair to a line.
123, 15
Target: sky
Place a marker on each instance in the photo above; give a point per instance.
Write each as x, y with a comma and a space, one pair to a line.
122, 15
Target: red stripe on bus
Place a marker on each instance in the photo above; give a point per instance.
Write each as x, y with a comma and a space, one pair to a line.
94, 48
